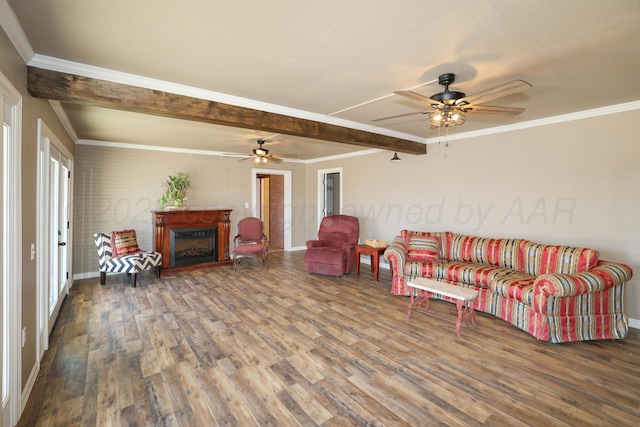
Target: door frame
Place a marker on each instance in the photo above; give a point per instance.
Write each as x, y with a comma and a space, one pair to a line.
287, 199
321, 190
46, 138
13, 237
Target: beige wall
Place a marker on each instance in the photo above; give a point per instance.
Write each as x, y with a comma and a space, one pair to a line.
14, 68
573, 183
116, 188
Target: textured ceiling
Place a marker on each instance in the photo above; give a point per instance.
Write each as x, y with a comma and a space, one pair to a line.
325, 57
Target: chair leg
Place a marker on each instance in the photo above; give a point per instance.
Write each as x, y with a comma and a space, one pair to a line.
103, 278
133, 279
158, 272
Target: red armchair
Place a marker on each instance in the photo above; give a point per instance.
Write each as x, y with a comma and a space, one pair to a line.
334, 253
250, 241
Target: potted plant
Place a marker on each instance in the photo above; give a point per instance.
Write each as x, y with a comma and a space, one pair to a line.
176, 192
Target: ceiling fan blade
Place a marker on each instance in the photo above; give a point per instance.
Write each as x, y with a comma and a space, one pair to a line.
491, 109
400, 115
246, 158
286, 156
506, 89
274, 159
417, 97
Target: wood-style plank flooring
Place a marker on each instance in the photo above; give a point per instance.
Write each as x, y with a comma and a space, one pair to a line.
282, 347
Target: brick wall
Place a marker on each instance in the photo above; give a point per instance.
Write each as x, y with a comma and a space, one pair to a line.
276, 210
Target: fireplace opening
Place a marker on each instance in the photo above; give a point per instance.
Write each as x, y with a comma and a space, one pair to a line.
193, 245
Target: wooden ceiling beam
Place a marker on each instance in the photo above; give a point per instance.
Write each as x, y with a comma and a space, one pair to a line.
59, 86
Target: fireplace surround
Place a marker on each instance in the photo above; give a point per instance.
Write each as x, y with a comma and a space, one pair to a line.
192, 239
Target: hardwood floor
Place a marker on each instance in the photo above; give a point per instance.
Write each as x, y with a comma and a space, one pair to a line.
283, 347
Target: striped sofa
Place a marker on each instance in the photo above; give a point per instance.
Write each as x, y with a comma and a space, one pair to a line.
555, 293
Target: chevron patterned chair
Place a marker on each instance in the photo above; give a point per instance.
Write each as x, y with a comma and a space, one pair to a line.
131, 260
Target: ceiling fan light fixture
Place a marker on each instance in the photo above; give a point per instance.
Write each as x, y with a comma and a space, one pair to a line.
447, 117
395, 158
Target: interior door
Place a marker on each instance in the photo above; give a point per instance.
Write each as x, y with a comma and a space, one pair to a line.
59, 184
332, 193
10, 239
4, 307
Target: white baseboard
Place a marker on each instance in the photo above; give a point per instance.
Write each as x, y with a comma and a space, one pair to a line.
89, 275
26, 392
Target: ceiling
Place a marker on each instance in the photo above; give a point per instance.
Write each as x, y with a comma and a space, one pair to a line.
338, 60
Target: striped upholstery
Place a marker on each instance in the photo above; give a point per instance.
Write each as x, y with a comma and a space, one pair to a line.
555, 293
130, 264
543, 259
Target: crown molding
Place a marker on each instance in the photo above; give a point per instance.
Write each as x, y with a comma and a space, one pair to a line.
112, 144
345, 156
602, 111
64, 119
10, 24
64, 66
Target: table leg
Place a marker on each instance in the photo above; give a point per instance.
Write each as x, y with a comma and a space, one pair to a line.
460, 307
357, 264
375, 266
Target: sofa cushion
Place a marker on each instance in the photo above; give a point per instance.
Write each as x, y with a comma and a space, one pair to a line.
424, 248
470, 273
481, 250
124, 243
544, 259
443, 236
413, 269
515, 285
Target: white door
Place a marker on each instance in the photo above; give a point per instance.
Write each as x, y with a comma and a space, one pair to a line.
5, 288
10, 251
59, 178
53, 230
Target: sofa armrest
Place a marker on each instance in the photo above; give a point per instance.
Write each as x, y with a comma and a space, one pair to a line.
396, 254
603, 276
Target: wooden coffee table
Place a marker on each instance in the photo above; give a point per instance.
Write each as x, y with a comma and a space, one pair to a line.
428, 287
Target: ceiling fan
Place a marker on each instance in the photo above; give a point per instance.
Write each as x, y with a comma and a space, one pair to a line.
261, 155
449, 108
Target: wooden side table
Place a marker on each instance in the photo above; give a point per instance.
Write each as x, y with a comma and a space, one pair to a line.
374, 254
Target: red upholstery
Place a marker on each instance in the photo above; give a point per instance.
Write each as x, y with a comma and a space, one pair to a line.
250, 241
334, 252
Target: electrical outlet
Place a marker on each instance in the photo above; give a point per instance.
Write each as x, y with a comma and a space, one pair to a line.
24, 336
